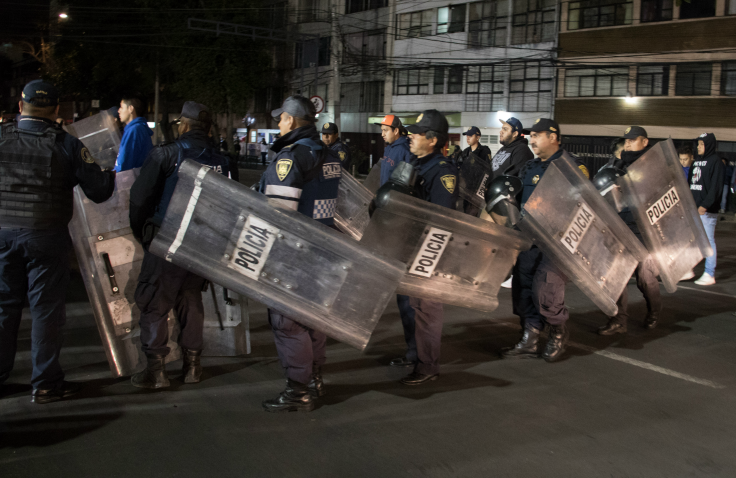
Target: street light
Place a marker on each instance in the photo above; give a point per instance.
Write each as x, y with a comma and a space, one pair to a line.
630, 99
63, 16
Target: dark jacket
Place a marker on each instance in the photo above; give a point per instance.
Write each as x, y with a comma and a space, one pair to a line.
436, 180
343, 152
393, 154
706, 176
531, 173
481, 151
627, 159
510, 159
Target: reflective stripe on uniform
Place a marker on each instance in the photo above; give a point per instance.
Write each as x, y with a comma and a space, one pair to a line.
283, 191
285, 203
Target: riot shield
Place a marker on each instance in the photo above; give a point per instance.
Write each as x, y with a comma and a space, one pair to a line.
110, 261
473, 179
236, 237
353, 200
373, 181
100, 135
449, 256
657, 193
568, 219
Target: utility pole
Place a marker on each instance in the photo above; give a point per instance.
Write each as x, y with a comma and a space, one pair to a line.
156, 122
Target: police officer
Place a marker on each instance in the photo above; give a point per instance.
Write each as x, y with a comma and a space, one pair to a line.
396, 150
474, 146
332, 139
436, 183
304, 177
636, 144
163, 286
538, 286
515, 152
39, 166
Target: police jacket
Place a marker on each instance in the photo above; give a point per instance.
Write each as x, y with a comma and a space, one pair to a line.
706, 176
393, 154
134, 145
152, 190
343, 152
436, 180
304, 176
627, 159
531, 173
40, 164
481, 151
510, 159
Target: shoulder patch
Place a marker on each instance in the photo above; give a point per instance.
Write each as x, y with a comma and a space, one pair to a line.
283, 166
87, 156
584, 170
448, 181
342, 155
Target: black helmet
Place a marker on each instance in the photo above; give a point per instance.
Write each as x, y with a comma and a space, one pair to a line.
606, 178
402, 180
501, 201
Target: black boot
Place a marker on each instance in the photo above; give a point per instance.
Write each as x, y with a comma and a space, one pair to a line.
526, 348
651, 319
295, 398
556, 343
316, 386
154, 375
191, 370
612, 327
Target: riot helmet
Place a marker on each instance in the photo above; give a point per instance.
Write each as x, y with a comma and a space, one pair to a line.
605, 181
402, 180
501, 202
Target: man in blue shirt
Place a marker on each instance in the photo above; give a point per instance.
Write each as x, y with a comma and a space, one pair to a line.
136, 142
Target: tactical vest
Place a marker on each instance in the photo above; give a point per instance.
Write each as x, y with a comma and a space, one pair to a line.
319, 193
205, 156
33, 190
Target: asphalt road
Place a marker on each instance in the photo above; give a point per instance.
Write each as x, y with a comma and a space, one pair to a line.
649, 404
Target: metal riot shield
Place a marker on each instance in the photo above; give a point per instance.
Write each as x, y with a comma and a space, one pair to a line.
657, 193
449, 256
473, 178
353, 200
568, 219
110, 261
100, 135
229, 234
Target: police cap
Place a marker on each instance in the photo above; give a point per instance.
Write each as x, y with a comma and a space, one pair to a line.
472, 131
40, 93
430, 120
544, 124
298, 107
329, 128
633, 132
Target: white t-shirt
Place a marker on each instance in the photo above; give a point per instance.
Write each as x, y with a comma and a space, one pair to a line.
264, 148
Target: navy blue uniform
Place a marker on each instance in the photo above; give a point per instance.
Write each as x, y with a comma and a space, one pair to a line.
436, 183
163, 286
35, 242
538, 286
343, 152
305, 177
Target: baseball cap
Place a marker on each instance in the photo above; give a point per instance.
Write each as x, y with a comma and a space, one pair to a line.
391, 121
40, 93
633, 132
472, 131
514, 123
196, 111
114, 112
429, 120
543, 124
298, 107
329, 128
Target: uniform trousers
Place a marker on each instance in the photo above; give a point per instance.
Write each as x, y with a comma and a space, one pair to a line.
538, 291
34, 264
163, 286
300, 348
646, 280
428, 316
407, 314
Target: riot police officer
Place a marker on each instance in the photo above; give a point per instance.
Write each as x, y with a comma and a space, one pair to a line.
474, 146
304, 177
163, 286
331, 137
436, 182
538, 286
40, 167
636, 144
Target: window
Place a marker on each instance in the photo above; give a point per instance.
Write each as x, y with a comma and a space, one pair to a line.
355, 6
731, 10
371, 96
325, 44
439, 80
451, 19
455, 80
693, 79
484, 88
534, 21
656, 10
698, 9
599, 13
531, 86
364, 46
487, 25
597, 82
412, 82
415, 24
728, 78
311, 52
652, 81
313, 11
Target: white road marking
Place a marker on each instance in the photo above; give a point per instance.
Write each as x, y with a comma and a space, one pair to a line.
706, 291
